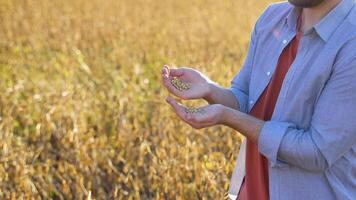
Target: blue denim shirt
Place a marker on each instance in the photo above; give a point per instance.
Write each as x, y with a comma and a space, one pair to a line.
310, 142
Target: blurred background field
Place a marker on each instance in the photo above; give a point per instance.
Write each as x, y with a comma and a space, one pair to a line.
82, 111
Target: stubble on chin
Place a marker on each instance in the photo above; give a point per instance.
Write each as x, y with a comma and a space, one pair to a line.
305, 3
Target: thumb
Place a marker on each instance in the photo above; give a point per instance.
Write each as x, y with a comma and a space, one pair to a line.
173, 71
176, 72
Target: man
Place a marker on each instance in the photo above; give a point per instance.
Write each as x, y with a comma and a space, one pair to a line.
294, 100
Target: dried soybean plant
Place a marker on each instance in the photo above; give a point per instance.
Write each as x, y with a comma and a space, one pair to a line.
103, 132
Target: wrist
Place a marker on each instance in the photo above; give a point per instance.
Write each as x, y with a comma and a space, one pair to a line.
224, 115
209, 92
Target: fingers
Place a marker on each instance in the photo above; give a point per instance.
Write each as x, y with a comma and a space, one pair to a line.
190, 119
165, 71
166, 79
176, 72
167, 83
167, 76
172, 71
178, 109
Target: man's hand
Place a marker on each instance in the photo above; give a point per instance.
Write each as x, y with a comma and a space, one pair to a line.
206, 116
221, 112
199, 85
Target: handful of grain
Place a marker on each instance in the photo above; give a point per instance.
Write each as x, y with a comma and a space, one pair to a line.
193, 110
179, 85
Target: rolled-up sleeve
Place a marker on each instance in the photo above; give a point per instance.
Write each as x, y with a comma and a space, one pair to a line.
332, 132
241, 98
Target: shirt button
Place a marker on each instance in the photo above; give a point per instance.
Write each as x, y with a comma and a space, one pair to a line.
284, 41
251, 102
268, 73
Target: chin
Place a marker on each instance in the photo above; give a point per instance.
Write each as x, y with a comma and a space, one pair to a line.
305, 3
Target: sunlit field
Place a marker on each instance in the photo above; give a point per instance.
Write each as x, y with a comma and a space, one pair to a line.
82, 110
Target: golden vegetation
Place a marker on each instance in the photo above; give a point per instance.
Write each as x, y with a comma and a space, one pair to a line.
82, 110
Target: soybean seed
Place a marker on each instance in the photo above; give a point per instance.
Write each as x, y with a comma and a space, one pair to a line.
179, 85
193, 110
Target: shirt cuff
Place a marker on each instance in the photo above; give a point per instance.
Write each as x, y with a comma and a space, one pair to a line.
241, 98
270, 139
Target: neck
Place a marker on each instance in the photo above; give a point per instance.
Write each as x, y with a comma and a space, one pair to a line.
311, 16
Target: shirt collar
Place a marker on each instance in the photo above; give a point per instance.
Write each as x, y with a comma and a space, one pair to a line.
327, 25
292, 18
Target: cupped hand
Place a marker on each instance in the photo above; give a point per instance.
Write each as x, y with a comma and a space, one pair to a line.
197, 82
207, 116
